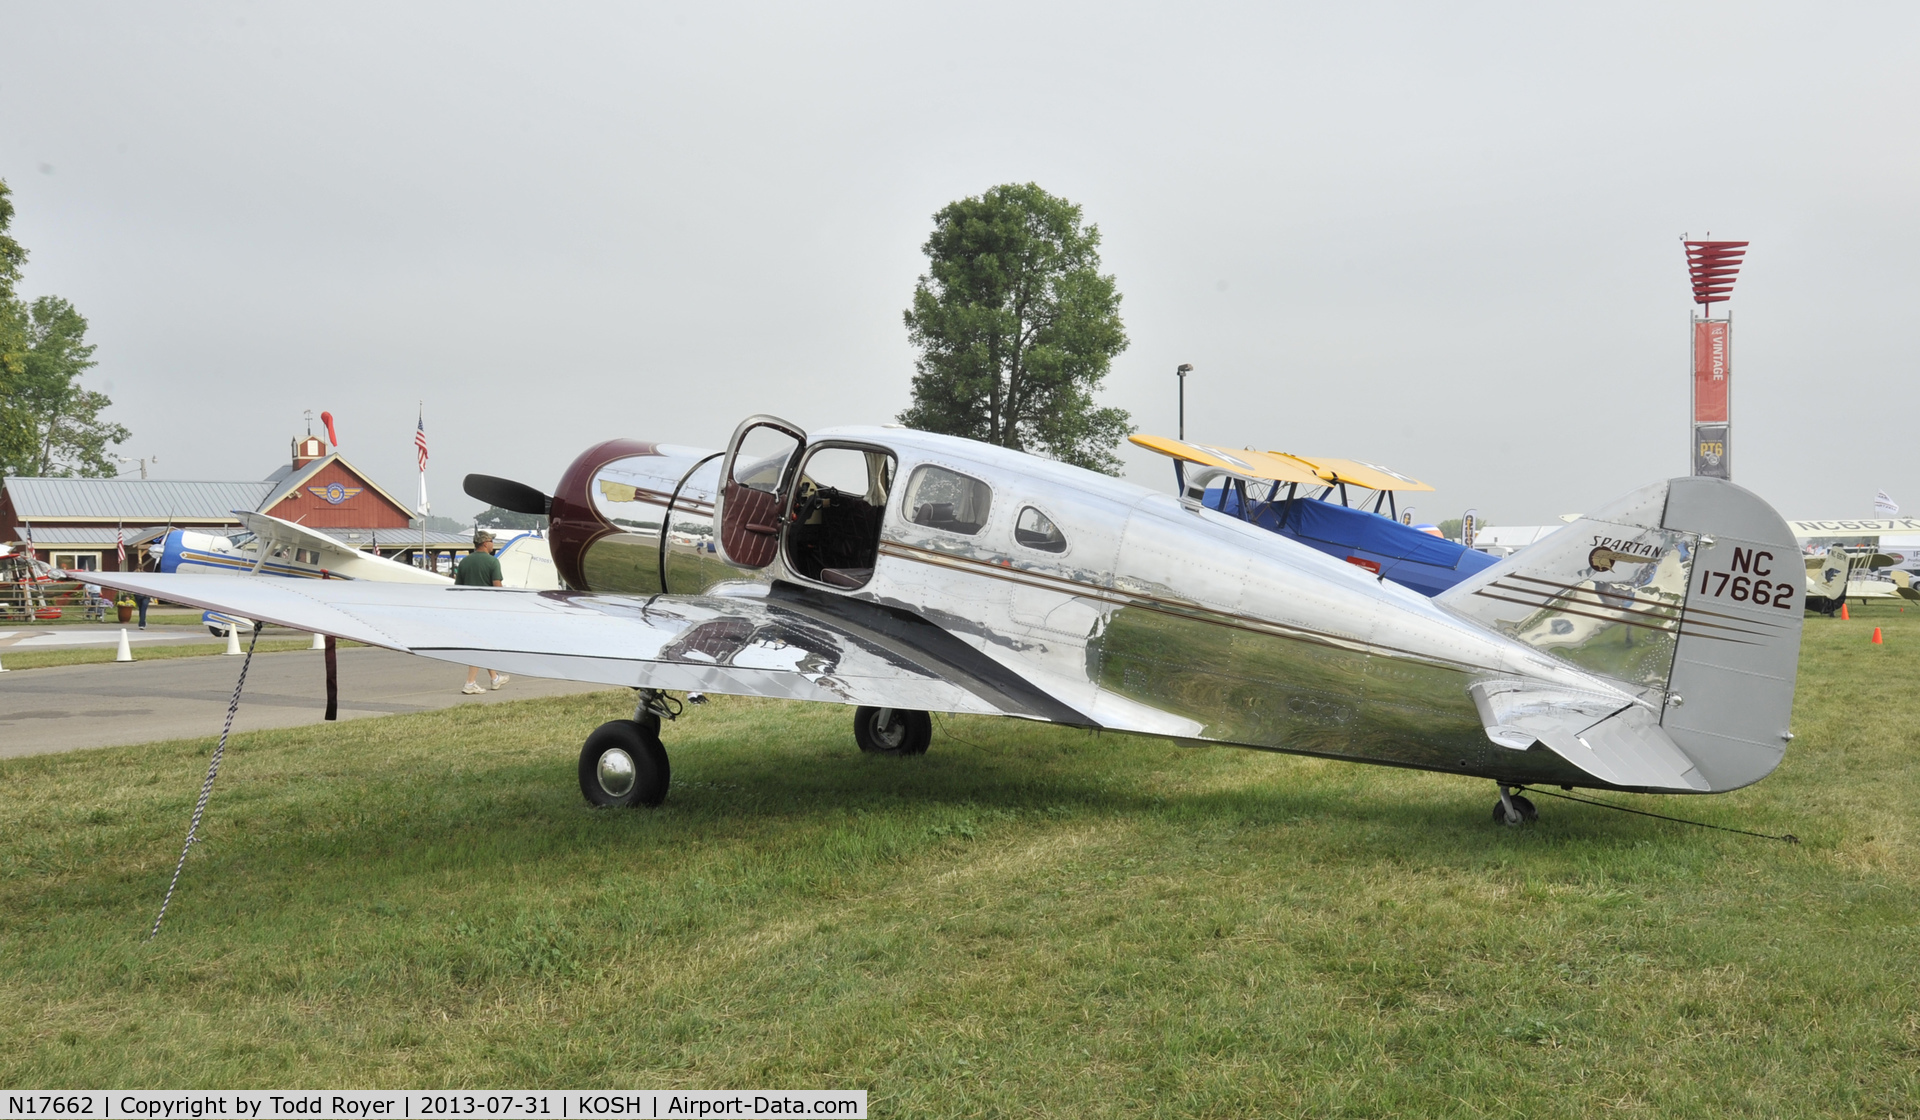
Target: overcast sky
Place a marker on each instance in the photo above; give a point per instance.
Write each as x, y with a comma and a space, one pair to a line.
1444, 237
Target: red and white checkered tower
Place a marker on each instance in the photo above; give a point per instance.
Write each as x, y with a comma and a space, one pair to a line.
1713, 266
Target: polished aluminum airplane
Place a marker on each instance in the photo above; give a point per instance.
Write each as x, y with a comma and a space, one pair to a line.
1650, 646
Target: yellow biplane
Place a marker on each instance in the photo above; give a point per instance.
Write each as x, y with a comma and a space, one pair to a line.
1368, 532
1281, 467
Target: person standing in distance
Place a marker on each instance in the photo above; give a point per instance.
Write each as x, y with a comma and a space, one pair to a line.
479, 569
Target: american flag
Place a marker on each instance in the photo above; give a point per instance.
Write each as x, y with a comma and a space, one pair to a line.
121, 546
420, 441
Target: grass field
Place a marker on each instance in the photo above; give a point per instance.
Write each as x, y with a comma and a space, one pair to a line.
1027, 921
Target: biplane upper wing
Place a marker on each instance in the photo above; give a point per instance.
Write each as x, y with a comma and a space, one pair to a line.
787, 643
1244, 462
1370, 476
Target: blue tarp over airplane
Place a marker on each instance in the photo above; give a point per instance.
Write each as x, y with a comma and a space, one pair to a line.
1230, 482
1401, 553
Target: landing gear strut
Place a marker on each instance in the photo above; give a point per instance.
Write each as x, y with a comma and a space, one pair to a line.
622, 763
894, 731
1513, 809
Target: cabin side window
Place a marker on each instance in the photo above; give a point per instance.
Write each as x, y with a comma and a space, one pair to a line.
942, 499
1036, 530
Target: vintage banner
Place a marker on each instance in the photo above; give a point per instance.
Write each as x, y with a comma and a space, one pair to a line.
1710, 451
1712, 370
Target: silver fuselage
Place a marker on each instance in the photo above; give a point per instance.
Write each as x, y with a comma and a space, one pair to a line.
1158, 617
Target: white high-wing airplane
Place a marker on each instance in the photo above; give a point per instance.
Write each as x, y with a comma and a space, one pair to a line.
1650, 646
277, 547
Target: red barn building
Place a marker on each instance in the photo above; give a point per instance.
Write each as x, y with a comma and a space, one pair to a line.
323, 491
77, 523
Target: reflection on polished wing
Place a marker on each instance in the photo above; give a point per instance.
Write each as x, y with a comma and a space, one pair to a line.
785, 645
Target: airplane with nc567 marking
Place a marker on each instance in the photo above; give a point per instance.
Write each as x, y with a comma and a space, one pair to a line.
1650, 646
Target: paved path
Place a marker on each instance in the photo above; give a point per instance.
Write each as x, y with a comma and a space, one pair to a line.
77, 706
25, 637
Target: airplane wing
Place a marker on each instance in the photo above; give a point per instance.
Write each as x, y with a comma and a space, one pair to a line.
1244, 462
1854, 527
788, 643
1371, 476
340, 559
1624, 745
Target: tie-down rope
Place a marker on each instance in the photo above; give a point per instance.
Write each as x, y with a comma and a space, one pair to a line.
1786, 837
206, 788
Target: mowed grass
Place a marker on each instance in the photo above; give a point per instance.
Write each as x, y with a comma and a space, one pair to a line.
1026, 921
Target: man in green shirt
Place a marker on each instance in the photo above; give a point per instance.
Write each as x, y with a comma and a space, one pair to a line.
479, 569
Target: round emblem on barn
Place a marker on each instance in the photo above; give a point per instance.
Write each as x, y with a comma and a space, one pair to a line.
333, 493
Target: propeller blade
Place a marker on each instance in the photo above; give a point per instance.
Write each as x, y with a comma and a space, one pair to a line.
506, 494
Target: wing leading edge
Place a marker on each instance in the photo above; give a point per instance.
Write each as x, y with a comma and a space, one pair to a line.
785, 644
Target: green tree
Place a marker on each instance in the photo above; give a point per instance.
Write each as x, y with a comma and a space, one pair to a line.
16, 432
1016, 327
69, 436
49, 423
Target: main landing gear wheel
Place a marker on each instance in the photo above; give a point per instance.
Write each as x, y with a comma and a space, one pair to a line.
624, 764
894, 731
1513, 809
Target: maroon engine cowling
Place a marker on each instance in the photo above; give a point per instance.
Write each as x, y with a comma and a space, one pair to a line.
574, 522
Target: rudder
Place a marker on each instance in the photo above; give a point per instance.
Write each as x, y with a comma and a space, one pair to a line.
1730, 699
1686, 593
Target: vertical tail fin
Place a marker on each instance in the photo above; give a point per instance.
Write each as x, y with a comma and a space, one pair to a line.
1689, 593
1827, 583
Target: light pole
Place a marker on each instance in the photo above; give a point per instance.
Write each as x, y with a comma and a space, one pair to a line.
143, 463
1184, 369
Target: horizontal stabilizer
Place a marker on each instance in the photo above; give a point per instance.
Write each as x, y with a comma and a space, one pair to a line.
1621, 745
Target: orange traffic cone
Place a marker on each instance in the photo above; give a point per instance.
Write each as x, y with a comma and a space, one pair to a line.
1843, 612
1876, 637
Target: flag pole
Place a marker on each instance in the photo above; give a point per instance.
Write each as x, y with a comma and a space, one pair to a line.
420, 450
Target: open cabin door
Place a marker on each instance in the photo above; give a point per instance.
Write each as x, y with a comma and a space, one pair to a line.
755, 480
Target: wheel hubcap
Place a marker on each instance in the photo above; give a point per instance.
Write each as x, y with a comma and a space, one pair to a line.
889, 730
616, 773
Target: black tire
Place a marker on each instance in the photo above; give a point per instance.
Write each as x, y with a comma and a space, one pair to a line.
216, 631
635, 770
892, 731
1528, 813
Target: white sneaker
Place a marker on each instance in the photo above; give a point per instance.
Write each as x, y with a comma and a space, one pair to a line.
473, 689
500, 679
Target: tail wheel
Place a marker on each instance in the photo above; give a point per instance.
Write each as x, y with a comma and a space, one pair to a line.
622, 763
1522, 806
894, 731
